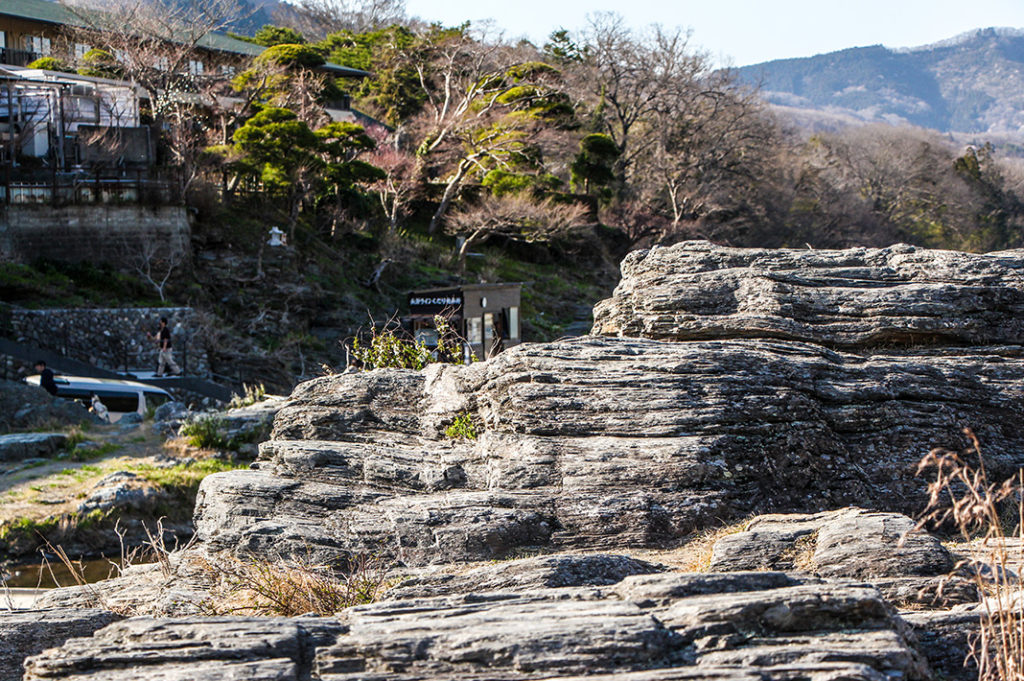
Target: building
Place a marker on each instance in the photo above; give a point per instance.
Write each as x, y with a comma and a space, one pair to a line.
485, 315
31, 29
73, 121
67, 117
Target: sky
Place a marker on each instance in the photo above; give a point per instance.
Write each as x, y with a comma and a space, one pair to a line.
742, 32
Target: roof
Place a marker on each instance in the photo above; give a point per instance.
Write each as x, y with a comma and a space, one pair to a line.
86, 382
468, 287
55, 13
37, 10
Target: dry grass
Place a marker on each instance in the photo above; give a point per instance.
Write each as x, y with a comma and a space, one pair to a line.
292, 587
695, 554
801, 554
984, 512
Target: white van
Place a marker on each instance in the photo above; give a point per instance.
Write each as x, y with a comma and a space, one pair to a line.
119, 397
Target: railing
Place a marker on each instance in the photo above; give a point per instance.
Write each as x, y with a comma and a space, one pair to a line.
17, 57
62, 189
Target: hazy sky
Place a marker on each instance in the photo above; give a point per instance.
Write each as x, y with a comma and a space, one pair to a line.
748, 31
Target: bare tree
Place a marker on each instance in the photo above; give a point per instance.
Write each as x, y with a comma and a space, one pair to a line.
516, 218
154, 260
628, 78
157, 44
398, 185
318, 18
716, 137
160, 46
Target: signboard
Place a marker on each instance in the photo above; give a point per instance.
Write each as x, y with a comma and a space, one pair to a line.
435, 302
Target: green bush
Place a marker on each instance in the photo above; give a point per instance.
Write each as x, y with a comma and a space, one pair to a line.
205, 432
291, 55
386, 350
462, 428
51, 64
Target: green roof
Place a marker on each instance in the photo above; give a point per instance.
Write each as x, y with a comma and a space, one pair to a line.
38, 10
55, 13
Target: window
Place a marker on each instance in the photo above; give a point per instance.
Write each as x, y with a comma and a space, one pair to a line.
38, 44
121, 402
80, 50
3, 40
513, 322
82, 110
161, 63
427, 336
154, 400
195, 67
473, 330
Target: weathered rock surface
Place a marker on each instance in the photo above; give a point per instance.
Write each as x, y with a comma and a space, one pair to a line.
907, 566
24, 633
600, 443
855, 298
945, 637
145, 589
795, 382
847, 543
19, 446
122, 491
530, 573
665, 626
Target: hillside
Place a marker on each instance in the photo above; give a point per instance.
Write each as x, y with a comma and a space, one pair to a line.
972, 83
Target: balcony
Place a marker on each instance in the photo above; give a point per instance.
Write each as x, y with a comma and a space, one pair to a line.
17, 57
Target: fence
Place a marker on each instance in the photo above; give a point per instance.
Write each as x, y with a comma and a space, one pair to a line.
62, 189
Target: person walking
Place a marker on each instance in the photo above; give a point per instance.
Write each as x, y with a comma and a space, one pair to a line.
166, 357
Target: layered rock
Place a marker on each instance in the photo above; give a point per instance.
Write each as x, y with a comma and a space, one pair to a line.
23, 634
20, 446
650, 626
794, 381
855, 298
908, 566
600, 443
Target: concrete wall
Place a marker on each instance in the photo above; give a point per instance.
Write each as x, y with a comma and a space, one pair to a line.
113, 338
116, 234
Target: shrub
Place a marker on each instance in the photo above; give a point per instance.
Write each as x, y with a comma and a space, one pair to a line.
462, 428
205, 432
51, 64
386, 349
291, 55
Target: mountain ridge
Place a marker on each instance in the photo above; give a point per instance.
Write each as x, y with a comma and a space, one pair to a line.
971, 83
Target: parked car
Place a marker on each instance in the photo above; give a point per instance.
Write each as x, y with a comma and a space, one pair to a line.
119, 397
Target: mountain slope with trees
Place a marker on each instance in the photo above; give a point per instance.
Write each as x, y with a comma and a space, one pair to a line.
971, 83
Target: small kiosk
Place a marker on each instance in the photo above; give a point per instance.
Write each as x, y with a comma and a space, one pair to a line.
486, 315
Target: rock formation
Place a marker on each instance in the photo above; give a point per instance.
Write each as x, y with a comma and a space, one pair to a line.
645, 627
719, 383
855, 299
23, 634
832, 374
909, 567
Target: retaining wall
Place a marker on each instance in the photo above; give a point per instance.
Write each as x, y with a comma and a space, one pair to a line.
97, 233
113, 338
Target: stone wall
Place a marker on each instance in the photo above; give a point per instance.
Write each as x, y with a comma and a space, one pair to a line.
94, 233
110, 338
